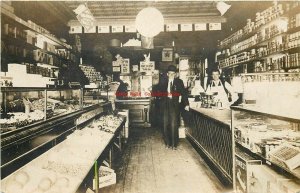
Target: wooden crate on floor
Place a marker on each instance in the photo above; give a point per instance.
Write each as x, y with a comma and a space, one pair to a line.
106, 180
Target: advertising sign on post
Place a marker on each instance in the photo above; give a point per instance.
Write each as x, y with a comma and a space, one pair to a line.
147, 66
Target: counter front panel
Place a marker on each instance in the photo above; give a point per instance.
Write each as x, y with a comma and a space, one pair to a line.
209, 130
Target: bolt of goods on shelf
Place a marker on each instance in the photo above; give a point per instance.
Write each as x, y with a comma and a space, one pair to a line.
272, 41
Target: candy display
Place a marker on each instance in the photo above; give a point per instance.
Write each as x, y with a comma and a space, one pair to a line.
62, 168
19, 119
107, 123
16, 117
261, 137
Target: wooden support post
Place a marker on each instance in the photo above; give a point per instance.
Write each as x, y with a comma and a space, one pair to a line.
120, 141
45, 105
111, 156
96, 177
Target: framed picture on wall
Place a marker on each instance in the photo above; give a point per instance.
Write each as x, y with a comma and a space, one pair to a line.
167, 55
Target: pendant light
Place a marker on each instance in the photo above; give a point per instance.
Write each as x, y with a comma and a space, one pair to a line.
149, 22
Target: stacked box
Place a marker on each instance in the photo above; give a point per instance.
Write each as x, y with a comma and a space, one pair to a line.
270, 181
244, 167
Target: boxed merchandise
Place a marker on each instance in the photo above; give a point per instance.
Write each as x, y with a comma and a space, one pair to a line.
290, 187
245, 181
268, 180
9, 30
107, 177
181, 132
30, 37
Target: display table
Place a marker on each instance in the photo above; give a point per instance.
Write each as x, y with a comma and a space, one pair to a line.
210, 133
66, 165
139, 109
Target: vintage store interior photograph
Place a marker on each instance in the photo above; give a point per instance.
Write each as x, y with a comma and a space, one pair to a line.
151, 96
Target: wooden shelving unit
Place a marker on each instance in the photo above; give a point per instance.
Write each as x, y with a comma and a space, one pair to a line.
283, 50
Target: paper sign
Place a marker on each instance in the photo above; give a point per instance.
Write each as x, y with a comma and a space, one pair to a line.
117, 29
75, 29
130, 29
85, 17
200, 27
215, 26
116, 63
172, 27
186, 27
135, 68
103, 29
90, 30
125, 66
147, 66
116, 69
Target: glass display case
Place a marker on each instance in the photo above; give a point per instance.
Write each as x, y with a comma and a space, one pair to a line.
272, 139
24, 106
34, 120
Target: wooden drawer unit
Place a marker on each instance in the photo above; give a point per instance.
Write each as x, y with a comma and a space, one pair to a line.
138, 111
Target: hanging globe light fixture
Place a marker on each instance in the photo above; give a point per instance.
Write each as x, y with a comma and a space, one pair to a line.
149, 22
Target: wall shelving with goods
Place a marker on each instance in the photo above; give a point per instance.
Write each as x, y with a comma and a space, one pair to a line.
25, 42
190, 69
270, 44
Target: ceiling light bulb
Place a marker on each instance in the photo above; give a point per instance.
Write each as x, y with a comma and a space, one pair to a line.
149, 22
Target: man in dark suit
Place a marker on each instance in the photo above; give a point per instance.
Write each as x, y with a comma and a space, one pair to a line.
174, 99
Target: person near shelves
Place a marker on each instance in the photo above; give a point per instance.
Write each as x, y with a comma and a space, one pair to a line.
224, 90
122, 91
174, 99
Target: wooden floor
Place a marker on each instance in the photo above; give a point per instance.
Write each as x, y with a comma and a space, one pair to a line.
147, 167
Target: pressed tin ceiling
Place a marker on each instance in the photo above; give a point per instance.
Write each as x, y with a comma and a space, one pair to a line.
173, 11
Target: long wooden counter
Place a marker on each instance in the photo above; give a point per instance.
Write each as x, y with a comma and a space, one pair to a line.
210, 132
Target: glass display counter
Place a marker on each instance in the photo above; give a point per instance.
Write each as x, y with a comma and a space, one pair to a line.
271, 140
